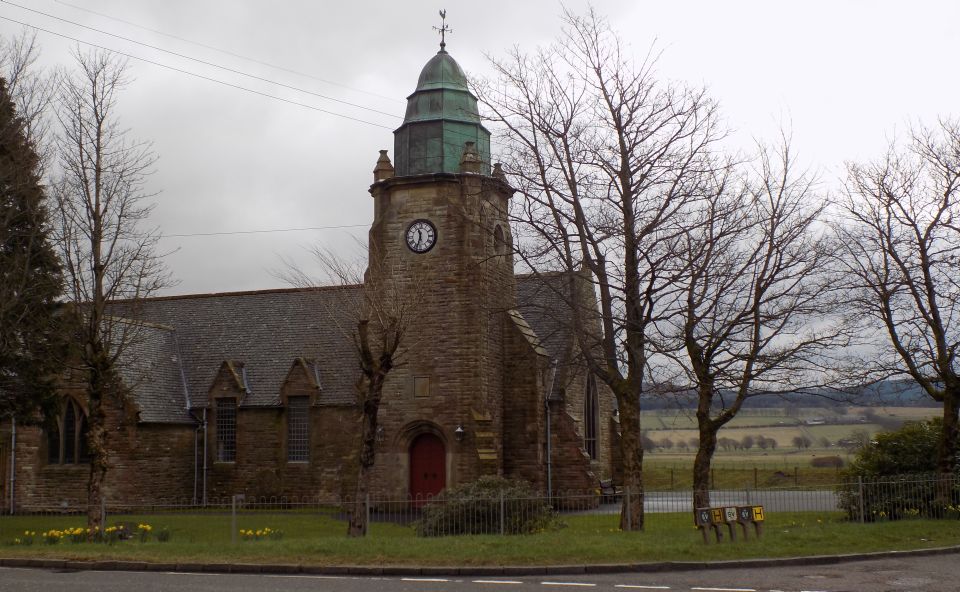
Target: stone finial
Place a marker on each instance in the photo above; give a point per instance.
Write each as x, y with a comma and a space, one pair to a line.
498, 172
470, 162
384, 168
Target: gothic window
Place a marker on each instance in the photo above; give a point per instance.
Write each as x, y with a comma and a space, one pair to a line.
67, 440
591, 418
226, 427
298, 429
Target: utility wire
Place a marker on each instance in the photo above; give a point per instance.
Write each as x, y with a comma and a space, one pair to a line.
200, 61
228, 52
231, 232
195, 75
221, 82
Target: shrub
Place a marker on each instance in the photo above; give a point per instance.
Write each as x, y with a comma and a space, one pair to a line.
479, 507
898, 475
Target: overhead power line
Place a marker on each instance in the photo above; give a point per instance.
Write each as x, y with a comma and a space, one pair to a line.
201, 61
228, 52
195, 75
230, 232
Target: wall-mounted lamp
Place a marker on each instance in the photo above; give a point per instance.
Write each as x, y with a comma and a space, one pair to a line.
380, 434
458, 433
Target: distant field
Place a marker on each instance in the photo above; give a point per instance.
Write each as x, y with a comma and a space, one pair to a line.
826, 428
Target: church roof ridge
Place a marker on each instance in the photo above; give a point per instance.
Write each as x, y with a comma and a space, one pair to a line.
243, 293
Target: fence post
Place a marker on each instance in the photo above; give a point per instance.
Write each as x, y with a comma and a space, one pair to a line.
366, 509
860, 495
796, 475
233, 519
103, 512
756, 478
626, 492
502, 514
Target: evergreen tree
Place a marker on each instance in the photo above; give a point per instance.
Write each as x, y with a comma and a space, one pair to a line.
30, 277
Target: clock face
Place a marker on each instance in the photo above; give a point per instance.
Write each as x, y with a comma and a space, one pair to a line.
421, 236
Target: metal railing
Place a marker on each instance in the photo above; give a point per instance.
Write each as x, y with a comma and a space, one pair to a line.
230, 518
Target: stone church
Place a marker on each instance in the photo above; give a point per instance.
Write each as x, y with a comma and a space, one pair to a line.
254, 392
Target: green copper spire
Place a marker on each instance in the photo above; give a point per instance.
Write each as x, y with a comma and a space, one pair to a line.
441, 117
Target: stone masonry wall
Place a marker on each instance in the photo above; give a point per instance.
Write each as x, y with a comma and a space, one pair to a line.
524, 416
458, 293
147, 463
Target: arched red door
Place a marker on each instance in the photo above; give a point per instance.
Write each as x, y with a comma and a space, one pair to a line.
428, 467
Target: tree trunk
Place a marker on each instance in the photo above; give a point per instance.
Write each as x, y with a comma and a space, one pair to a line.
97, 448
947, 449
357, 523
701, 465
631, 450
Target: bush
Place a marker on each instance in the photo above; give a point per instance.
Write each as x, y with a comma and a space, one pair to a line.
475, 508
898, 475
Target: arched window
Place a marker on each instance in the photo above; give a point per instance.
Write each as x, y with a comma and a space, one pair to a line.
67, 439
591, 418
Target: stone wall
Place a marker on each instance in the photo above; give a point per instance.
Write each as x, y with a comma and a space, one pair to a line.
147, 463
261, 469
524, 423
456, 295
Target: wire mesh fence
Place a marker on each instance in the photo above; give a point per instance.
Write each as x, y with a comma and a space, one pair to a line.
237, 518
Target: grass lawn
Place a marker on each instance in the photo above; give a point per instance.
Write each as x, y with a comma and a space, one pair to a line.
319, 540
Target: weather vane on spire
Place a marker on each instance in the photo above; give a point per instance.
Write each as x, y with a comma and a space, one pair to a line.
443, 29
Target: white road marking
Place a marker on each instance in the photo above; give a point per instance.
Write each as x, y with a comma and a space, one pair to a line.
424, 580
725, 589
192, 573
642, 587
311, 577
584, 584
496, 582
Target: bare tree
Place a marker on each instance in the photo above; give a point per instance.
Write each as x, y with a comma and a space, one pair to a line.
31, 89
101, 196
608, 159
376, 323
753, 316
901, 252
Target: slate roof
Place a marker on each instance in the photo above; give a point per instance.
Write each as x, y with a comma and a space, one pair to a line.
266, 331
541, 300
189, 337
150, 367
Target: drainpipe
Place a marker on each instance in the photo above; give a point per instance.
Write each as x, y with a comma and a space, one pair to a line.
13, 462
546, 406
204, 456
196, 463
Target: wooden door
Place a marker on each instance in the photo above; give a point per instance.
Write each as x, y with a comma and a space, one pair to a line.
428, 473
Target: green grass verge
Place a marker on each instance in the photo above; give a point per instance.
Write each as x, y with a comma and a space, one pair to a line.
319, 540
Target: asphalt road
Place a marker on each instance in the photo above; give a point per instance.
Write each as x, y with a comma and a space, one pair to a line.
937, 573
775, 500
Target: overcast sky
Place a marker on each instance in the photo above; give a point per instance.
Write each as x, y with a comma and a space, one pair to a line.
844, 75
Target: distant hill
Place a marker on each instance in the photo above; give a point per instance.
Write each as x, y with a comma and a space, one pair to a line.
886, 393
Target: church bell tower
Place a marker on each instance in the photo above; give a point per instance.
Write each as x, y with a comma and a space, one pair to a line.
440, 233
